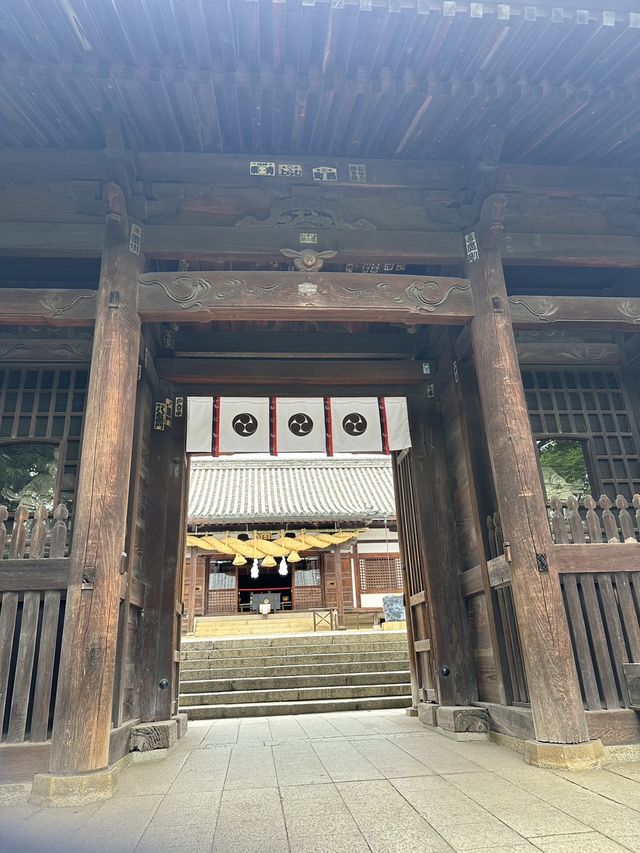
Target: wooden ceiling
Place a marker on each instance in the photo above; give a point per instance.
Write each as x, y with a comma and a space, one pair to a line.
342, 78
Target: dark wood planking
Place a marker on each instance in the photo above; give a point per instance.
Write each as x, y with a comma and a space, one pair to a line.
267, 371
275, 388
119, 740
168, 628
8, 613
512, 721
85, 684
20, 762
581, 645
153, 561
21, 575
24, 668
552, 680
624, 557
46, 658
450, 641
258, 344
409, 600
51, 239
619, 726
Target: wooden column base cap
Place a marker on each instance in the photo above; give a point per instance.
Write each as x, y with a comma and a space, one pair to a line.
50, 790
564, 756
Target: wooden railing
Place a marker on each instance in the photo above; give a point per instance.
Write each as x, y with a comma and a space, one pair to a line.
32, 536
593, 522
34, 574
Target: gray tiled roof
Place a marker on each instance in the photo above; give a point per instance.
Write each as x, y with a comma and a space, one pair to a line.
276, 490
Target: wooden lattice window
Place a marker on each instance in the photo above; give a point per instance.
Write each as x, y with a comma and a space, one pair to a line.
46, 405
591, 404
380, 573
221, 601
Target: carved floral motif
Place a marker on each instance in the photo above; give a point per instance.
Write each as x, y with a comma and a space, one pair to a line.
197, 293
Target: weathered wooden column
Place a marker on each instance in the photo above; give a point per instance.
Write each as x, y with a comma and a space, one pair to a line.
82, 723
337, 568
193, 556
455, 677
415, 696
556, 704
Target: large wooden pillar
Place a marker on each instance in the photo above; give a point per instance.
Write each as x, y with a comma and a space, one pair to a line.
454, 671
411, 649
556, 704
86, 680
337, 563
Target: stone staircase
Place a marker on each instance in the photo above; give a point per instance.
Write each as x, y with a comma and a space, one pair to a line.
259, 676
252, 624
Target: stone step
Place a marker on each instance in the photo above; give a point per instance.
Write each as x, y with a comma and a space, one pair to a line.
258, 648
254, 617
395, 664
285, 660
297, 694
322, 706
224, 685
377, 638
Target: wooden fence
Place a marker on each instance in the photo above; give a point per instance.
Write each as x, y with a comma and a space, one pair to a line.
593, 522
34, 573
602, 610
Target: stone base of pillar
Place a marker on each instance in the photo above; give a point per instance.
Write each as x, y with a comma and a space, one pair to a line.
51, 790
564, 756
411, 712
183, 723
156, 735
427, 713
463, 719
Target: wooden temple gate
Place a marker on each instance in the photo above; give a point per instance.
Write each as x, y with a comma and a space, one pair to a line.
499, 294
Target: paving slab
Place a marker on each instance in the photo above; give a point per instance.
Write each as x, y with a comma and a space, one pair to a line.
362, 782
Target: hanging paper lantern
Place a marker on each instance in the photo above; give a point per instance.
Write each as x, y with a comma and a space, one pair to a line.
239, 560
294, 557
255, 571
283, 569
268, 562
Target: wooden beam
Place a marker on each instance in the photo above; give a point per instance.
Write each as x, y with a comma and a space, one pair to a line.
25, 575
257, 344
229, 371
568, 352
572, 250
278, 389
210, 242
26, 306
51, 239
611, 311
602, 557
83, 716
45, 350
231, 170
200, 297
556, 702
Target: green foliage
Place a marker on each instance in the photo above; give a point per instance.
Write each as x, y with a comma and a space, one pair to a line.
28, 473
564, 467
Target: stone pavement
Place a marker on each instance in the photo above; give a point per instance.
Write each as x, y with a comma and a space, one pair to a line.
355, 781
